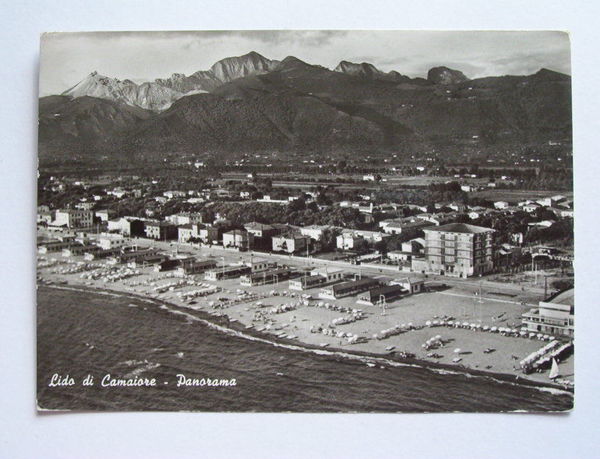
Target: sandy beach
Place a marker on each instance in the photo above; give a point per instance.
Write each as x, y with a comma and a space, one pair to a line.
461, 349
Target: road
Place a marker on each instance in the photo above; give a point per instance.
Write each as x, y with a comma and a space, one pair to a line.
513, 292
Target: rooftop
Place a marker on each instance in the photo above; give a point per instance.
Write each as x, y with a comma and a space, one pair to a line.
203, 263
258, 226
365, 281
237, 232
566, 297
161, 224
326, 270
407, 280
374, 293
407, 223
460, 228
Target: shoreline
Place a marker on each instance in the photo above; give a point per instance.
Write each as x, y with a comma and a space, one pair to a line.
224, 323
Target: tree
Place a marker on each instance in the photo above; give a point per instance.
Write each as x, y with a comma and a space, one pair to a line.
361, 246
381, 246
312, 206
323, 200
296, 205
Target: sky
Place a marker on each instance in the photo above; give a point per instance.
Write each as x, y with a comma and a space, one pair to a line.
67, 58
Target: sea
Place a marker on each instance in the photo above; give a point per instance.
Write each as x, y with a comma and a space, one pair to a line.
94, 334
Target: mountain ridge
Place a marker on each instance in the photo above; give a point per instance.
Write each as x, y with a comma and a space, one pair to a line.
261, 105
369, 71
158, 95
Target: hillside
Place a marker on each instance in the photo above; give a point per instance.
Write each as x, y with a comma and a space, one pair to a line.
256, 104
85, 125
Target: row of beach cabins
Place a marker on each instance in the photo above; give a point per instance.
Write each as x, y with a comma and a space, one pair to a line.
333, 283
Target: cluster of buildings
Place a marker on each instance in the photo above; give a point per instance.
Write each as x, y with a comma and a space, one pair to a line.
90, 246
432, 240
455, 249
452, 249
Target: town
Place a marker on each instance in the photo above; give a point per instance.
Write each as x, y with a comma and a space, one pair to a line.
365, 262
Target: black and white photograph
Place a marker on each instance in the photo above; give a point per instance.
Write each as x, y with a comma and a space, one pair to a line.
305, 221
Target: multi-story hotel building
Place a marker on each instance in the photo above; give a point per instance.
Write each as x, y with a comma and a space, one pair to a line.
74, 218
459, 250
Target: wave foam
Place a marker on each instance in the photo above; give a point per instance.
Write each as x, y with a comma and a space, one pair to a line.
334, 353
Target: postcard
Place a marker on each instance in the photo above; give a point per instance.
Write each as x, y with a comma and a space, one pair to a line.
305, 221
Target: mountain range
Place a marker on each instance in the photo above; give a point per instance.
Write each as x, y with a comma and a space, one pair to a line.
160, 94
251, 103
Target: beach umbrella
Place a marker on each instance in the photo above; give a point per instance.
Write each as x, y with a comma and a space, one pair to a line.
457, 350
428, 323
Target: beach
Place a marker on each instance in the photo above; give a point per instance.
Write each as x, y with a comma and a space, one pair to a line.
95, 332
461, 349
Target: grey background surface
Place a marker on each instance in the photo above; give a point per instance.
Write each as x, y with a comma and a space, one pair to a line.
25, 434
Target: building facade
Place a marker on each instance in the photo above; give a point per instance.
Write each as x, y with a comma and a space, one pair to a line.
347, 241
112, 241
74, 218
185, 233
260, 229
290, 244
161, 231
239, 239
315, 232
185, 218
127, 226
459, 250
555, 316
